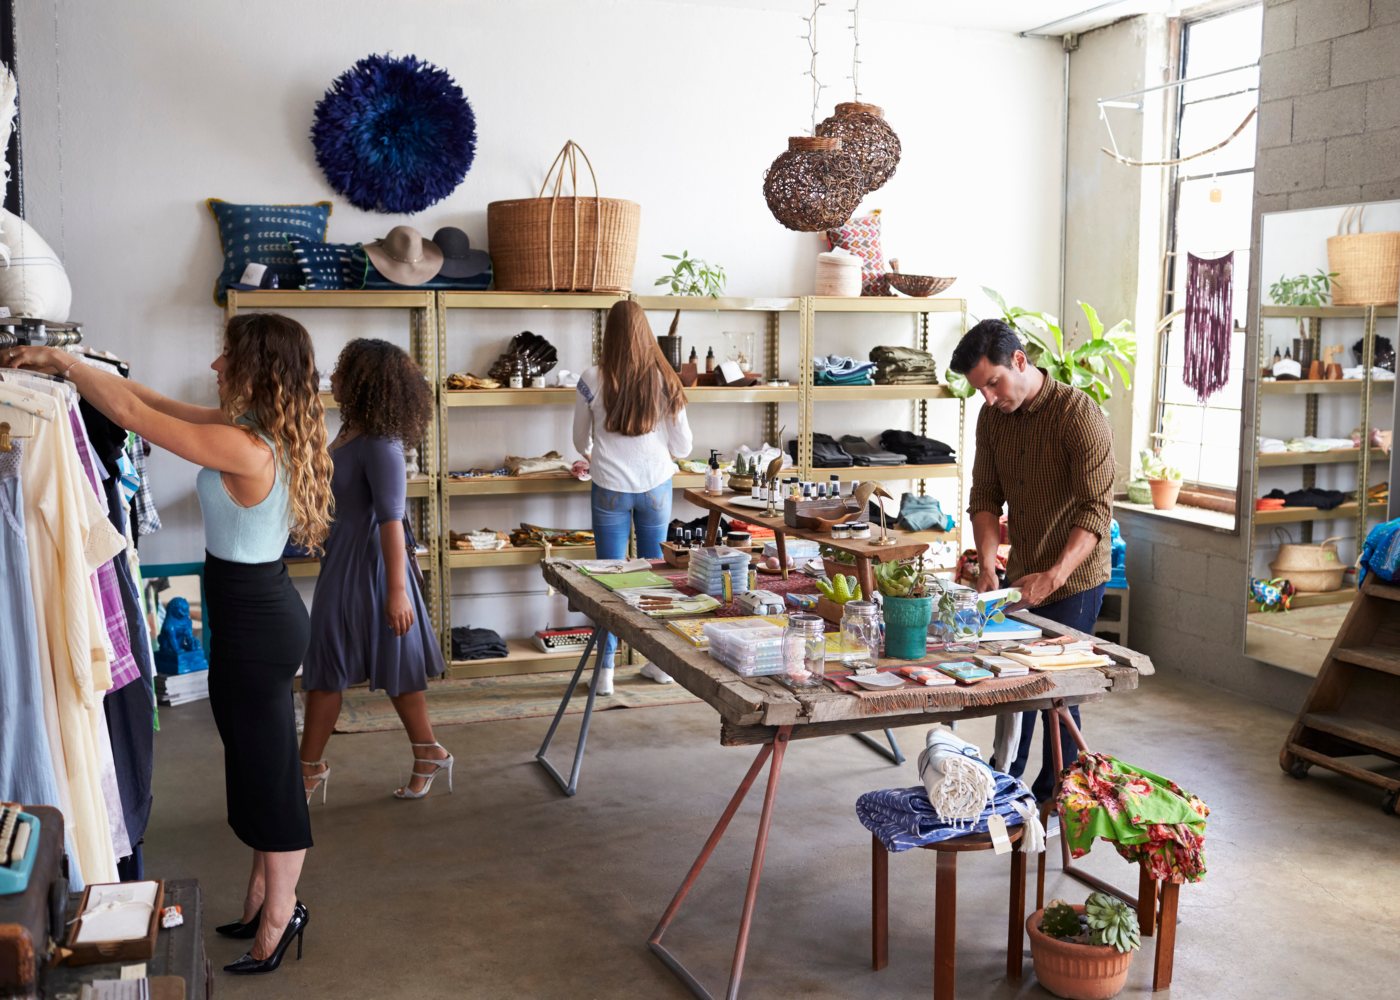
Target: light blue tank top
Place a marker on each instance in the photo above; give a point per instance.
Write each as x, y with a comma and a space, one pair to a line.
256, 534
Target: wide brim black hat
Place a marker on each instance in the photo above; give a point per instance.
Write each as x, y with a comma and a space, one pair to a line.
459, 260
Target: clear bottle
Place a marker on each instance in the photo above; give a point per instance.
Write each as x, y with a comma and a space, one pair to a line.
804, 651
962, 624
517, 375
860, 630
835, 488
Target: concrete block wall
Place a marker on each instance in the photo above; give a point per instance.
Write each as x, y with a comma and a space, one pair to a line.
1329, 134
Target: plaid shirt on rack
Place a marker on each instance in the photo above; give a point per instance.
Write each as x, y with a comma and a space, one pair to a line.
143, 507
1051, 463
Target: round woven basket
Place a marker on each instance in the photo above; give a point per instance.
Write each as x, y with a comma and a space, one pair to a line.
814, 185
919, 285
1310, 581
866, 135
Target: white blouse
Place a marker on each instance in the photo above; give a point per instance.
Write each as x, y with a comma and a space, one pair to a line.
620, 463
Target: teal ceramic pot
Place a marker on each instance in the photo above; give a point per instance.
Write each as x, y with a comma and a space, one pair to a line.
906, 626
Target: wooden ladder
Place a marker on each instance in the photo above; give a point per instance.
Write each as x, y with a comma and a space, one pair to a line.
1354, 705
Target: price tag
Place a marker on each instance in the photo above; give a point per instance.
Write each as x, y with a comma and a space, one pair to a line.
996, 827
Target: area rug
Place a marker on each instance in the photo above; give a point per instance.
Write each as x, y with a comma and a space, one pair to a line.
491, 699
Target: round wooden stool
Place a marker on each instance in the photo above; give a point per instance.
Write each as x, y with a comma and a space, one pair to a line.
945, 913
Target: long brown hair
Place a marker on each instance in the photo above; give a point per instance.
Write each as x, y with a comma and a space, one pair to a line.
639, 385
271, 380
382, 391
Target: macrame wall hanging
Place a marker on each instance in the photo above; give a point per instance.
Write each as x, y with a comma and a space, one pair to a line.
1209, 323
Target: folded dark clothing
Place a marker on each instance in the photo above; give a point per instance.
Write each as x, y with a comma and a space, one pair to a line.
890, 377
902, 358
826, 453
865, 453
476, 644
919, 450
1321, 499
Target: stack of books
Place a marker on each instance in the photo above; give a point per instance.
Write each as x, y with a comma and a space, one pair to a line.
177, 689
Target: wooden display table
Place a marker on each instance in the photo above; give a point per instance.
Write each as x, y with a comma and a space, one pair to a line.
761, 711
865, 550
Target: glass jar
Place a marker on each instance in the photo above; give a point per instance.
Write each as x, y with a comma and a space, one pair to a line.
860, 630
960, 620
804, 651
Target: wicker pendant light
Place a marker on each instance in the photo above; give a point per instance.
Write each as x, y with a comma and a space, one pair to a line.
867, 137
815, 185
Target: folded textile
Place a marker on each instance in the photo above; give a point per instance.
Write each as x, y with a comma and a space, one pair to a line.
1146, 817
838, 365
550, 463
1321, 499
902, 359
1271, 446
905, 378
1381, 553
903, 818
857, 378
863, 452
476, 644
923, 513
959, 783
826, 453
917, 449
1309, 444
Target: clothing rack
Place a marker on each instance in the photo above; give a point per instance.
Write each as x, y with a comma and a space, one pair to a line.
28, 332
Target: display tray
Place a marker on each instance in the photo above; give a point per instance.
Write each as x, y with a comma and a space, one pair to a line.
128, 950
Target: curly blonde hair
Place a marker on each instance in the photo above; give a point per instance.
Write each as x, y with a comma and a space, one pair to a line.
271, 381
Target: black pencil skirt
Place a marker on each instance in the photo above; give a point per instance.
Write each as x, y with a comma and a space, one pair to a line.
259, 631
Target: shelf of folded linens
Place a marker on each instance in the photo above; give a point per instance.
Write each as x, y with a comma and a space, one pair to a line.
487, 485
1336, 456
1297, 515
1323, 312
1322, 387
894, 473
305, 567
883, 304
832, 393
1343, 596
522, 657
513, 555
530, 300
293, 298
725, 303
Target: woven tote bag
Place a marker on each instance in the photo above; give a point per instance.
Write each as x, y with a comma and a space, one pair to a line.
1367, 265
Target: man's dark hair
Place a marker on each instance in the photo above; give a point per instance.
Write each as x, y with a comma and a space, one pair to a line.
992, 339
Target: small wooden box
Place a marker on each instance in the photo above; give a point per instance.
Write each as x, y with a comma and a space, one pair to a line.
132, 950
675, 555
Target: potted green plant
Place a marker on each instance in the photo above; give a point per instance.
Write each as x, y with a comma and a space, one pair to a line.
689, 276
1303, 290
1089, 366
1083, 952
1163, 479
908, 608
743, 476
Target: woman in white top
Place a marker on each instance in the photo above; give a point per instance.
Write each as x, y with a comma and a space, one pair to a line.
630, 423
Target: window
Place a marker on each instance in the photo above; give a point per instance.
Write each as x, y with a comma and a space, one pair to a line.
1211, 198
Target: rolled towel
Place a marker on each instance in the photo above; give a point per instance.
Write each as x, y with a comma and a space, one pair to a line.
959, 783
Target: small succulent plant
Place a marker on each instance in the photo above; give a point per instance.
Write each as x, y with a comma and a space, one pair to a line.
1112, 922
1060, 920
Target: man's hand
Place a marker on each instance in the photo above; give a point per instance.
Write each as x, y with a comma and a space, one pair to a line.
987, 580
1034, 588
399, 612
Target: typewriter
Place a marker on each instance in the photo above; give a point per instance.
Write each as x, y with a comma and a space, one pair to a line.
563, 640
19, 843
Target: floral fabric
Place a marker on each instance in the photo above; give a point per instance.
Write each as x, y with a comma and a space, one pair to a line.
1147, 818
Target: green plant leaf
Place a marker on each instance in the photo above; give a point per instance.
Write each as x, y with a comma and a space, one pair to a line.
1092, 315
670, 256
995, 296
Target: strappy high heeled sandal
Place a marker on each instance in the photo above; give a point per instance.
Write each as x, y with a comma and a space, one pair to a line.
437, 765
321, 779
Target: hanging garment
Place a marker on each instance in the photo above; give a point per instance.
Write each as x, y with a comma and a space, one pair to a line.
1209, 323
143, 507
1147, 818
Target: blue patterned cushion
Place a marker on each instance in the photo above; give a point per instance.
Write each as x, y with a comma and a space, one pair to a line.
328, 266
476, 283
259, 233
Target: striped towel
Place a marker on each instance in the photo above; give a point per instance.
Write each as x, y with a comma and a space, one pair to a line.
903, 818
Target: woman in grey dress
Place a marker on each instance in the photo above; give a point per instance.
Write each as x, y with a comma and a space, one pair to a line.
369, 621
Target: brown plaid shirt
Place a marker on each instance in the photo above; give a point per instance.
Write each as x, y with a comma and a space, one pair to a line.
1051, 463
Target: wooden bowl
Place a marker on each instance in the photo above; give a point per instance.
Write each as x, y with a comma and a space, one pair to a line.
919, 285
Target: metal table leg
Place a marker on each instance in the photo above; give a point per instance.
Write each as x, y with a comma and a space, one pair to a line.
571, 786
775, 750
891, 752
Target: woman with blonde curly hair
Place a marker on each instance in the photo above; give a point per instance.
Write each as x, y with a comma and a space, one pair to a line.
369, 620
266, 475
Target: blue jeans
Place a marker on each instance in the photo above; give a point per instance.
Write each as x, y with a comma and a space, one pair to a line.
1078, 611
614, 517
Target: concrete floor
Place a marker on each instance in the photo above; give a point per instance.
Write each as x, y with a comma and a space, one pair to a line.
506, 889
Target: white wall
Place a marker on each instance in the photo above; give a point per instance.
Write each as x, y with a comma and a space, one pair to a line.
154, 107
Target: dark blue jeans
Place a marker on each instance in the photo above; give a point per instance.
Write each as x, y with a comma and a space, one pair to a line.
1078, 611
615, 515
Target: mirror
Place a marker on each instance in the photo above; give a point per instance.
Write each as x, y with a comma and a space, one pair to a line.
1316, 405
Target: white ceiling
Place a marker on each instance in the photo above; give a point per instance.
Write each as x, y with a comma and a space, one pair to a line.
1061, 16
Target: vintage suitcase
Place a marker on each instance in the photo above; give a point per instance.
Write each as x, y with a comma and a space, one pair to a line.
32, 919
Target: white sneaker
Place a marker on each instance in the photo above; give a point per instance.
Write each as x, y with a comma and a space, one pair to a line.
655, 673
605, 680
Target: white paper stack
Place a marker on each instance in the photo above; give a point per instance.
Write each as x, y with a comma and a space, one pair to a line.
177, 689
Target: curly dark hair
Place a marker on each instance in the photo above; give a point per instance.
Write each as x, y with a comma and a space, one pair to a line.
382, 391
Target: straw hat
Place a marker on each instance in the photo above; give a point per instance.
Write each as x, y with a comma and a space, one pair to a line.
404, 257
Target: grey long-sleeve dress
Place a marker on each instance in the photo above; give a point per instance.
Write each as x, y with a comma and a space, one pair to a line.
350, 638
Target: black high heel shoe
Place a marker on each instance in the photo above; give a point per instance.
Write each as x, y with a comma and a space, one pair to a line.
238, 929
250, 966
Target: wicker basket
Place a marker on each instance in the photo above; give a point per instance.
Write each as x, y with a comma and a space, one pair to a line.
919, 285
564, 243
1367, 265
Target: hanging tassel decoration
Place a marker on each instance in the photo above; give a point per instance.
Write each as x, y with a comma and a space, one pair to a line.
1209, 321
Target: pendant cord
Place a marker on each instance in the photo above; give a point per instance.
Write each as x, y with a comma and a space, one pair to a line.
855, 49
811, 39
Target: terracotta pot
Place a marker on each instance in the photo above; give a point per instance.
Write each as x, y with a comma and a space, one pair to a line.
1164, 492
1076, 971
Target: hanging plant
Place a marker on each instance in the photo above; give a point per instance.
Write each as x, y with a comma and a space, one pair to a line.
394, 135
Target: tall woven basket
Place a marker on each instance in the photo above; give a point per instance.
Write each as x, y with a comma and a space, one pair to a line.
1367, 265
564, 243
